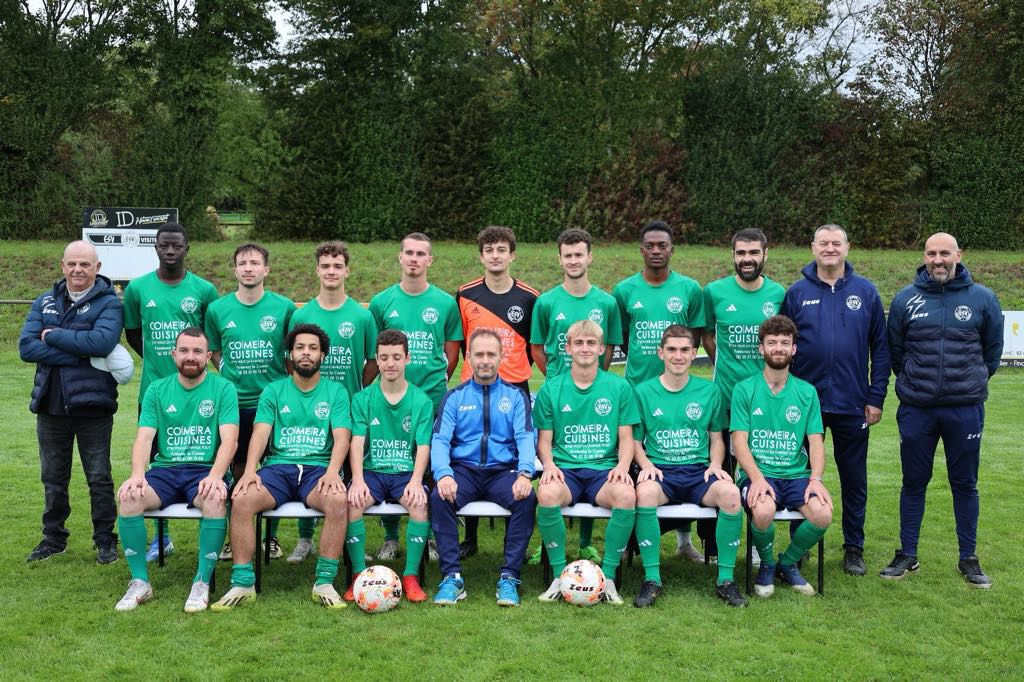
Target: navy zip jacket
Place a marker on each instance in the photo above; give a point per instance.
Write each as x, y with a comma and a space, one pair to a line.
946, 340
87, 329
485, 427
840, 327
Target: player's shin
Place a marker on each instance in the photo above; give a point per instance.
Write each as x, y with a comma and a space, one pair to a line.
620, 527
552, 534
806, 536
764, 540
133, 539
648, 538
211, 539
727, 535
355, 544
416, 533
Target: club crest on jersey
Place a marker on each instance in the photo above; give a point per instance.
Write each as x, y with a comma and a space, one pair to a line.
322, 409
430, 315
768, 309
189, 305
505, 405
407, 423
515, 314
596, 315
674, 304
694, 411
206, 408
84, 309
853, 302
346, 330
603, 407
963, 313
268, 323
793, 414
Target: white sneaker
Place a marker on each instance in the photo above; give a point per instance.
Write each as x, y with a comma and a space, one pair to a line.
755, 558
302, 550
432, 554
225, 553
236, 596
328, 597
138, 591
611, 595
553, 593
198, 598
688, 551
388, 551
275, 549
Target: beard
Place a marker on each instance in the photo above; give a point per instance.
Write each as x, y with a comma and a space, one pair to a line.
777, 362
191, 371
307, 371
758, 268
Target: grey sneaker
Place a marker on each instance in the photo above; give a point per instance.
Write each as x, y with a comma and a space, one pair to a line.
388, 551
302, 550
139, 591
432, 554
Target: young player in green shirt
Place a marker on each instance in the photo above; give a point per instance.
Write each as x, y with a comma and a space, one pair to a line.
192, 417
773, 413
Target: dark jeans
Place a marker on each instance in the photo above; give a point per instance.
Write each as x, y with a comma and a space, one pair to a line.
57, 436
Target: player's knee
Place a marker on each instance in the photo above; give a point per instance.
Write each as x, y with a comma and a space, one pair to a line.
624, 496
212, 507
762, 516
819, 514
647, 494
335, 505
130, 507
729, 499
548, 495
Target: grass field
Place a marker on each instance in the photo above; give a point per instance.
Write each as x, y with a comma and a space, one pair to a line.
58, 618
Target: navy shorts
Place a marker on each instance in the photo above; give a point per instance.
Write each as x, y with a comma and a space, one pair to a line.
789, 492
290, 482
177, 484
387, 487
684, 483
584, 484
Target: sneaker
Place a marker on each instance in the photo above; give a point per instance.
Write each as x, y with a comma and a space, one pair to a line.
106, 552
412, 590
611, 595
388, 551
508, 591
764, 585
153, 553
302, 550
590, 553
900, 565
853, 560
328, 597
790, 574
350, 593
275, 549
451, 590
139, 591
688, 551
649, 592
755, 557
225, 553
553, 593
467, 549
730, 594
236, 596
432, 554
971, 570
198, 598
534, 559
44, 550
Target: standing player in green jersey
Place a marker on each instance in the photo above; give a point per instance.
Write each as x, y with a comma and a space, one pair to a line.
157, 307
192, 417
680, 452
352, 333
584, 420
391, 431
773, 415
649, 302
307, 424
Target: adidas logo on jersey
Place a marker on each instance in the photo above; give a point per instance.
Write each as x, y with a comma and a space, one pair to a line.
286, 410
151, 304
171, 409
394, 313
637, 305
560, 316
758, 412
731, 308
657, 412
566, 408
231, 325
375, 422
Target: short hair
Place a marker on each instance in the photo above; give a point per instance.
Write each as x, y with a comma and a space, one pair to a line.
778, 325
492, 234
419, 237
584, 328
196, 332
677, 331
332, 249
482, 331
829, 227
172, 228
393, 337
575, 235
250, 246
750, 234
656, 226
325, 343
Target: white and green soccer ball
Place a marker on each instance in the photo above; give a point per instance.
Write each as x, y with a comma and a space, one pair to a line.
378, 589
582, 583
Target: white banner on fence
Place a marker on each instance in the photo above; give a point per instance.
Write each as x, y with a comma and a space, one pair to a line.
124, 238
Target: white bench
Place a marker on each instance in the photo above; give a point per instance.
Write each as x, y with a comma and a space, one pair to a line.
783, 515
174, 511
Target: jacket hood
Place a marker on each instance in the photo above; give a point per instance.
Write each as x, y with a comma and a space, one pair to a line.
961, 279
810, 272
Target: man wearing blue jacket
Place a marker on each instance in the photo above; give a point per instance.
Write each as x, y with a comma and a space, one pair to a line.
78, 320
946, 338
841, 322
483, 448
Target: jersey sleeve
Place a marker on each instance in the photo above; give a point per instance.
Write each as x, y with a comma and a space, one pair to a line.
539, 322
227, 412
150, 414
424, 421
543, 417
360, 408
341, 411
695, 310
212, 329
453, 323
629, 413
614, 324
132, 307
740, 420
266, 410
814, 423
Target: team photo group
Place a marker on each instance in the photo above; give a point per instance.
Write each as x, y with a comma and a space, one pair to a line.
248, 401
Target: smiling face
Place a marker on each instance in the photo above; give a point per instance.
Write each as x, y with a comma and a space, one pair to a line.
575, 259
191, 354
748, 259
941, 256
830, 248
80, 266
778, 350
250, 269
585, 350
677, 353
307, 355
415, 257
332, 272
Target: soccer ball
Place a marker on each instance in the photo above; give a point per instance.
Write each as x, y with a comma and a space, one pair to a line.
582, 583
377, 589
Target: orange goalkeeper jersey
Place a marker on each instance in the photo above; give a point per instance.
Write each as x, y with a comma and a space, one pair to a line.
509, 315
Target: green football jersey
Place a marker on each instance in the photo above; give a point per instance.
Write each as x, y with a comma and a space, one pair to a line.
429, 319
353, 336
735, 314
556, 310
303, 421
674, 425
161, 311
646, 310
188, 420
251, 341
392, 432
585, 422
777, 424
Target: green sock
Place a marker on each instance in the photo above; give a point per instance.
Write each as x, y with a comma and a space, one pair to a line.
326, 570
648, 537
620, 527
552, 535
242, 575
806, 536
764, 540
355, 543
211, 539
390, 528
586, 532
415, 544
272, 525
306, 527
133, 539
727, 536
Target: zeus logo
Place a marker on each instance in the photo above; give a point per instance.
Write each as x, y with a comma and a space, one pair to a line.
973, 436
915, 303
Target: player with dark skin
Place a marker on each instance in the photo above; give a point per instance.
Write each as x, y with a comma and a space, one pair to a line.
171, 250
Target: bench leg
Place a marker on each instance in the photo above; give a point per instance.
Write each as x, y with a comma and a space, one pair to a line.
266, 544
546, 572
423, 568
160, 528
257, 564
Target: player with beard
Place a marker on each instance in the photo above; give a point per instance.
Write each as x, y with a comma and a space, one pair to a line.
778, 438
307, 424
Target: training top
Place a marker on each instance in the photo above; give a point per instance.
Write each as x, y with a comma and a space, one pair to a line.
509, 314
188, 420
392, 432
674, 425
353, 336
303, 421
556, 310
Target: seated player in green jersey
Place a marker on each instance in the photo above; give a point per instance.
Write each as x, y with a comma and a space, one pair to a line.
390, 451
584, 420
773, 415
680, 451
307, 424
192, 416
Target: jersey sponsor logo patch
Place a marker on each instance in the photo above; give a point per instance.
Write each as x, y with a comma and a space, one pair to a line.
322, 409
757, 412
407, 423
393, 313
286, 410
566, 408
596, 315
793, 414
430, 315
84, 309
151, 304
694, 410
657, 412
375, 422
731, 308
206, 408
515, 314
505, 405
768, 309
171, 409
854, 302
603, 407
189, 305
638, 305
963, 313
560, 316
346, 330
231, 325
674, 305
268, 323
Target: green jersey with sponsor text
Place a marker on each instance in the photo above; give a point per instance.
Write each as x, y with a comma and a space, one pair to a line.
353, 336
188, 420
251, 341
646, 310
776, 424
303, 421
735, 314
392, 432
556, 310
674, 425
585, 421
160, 311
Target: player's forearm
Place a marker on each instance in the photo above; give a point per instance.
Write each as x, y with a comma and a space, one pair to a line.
816, 454
744, 457
707, 339
626, 443
451, 351
339, 451
355, 457
640, 455
716, 450
544, 448
540, 358
225, 453
140, 453
419, 468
